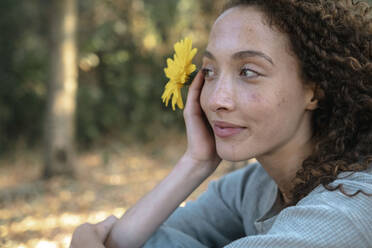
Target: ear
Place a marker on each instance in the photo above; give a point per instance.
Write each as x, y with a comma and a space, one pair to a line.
311, 96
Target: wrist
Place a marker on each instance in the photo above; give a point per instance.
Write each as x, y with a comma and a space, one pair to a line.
197, 167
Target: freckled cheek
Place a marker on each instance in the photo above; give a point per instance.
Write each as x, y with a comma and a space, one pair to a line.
282, 101
259, 107
255, 97
250, 99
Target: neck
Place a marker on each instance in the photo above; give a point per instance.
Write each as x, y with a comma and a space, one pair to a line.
283, 163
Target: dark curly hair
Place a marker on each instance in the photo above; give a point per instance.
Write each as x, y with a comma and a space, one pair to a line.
332, 40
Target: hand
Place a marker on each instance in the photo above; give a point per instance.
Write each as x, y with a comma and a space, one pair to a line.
92, 235
201, 146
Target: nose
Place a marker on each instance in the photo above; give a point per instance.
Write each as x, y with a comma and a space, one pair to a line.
222, 95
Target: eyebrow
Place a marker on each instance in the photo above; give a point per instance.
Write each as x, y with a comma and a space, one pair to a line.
243, 55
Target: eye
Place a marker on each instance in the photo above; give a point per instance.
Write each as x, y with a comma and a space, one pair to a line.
208, 72
248, 73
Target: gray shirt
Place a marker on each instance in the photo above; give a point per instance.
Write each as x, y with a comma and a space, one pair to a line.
243, 209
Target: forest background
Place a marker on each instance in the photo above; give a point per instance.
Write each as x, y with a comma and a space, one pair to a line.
83, 131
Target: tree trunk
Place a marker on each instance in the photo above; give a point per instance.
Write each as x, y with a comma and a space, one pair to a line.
59, 129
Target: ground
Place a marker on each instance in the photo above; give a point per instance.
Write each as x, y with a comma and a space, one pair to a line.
36, 213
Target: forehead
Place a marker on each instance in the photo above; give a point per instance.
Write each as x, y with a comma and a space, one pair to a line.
242, 28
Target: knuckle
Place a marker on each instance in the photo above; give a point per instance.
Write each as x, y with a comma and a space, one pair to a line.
113, 217
186, 114
83, 227
186, 111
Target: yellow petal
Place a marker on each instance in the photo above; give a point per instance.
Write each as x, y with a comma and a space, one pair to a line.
178, 70
190, 69
180, 102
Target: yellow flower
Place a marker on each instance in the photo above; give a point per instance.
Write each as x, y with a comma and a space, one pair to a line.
178, 72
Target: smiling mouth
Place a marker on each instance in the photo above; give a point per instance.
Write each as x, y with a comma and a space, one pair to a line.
225, 130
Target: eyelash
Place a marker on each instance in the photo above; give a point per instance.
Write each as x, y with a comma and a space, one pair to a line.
205, 72
247, 69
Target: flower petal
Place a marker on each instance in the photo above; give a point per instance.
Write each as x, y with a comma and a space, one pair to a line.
178, 70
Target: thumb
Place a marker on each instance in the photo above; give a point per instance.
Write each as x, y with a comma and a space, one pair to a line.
103, 228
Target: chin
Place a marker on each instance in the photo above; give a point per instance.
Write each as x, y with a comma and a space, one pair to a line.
233, 156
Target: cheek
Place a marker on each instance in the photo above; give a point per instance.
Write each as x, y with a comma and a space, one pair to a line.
268, 101
263, 108
252, 100
280, 111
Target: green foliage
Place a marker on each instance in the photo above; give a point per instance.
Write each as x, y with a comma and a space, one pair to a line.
127, 43
123, 45
22, 72
122, 49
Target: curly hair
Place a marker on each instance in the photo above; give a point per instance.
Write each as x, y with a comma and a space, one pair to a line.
332, 40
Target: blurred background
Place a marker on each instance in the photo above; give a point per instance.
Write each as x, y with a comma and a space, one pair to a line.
83, 132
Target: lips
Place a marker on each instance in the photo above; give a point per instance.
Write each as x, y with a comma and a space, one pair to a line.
225, 129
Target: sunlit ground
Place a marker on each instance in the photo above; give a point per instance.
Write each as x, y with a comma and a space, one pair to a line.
43, 214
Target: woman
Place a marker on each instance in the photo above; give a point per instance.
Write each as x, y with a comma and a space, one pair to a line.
287, 82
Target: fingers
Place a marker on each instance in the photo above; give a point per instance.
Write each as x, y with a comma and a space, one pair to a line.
195, 88
103, 228
81, 235
92, 235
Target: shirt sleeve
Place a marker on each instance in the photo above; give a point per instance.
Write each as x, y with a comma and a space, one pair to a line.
213, 220
326, 219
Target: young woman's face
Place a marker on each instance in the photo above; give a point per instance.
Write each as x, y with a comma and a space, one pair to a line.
253, 95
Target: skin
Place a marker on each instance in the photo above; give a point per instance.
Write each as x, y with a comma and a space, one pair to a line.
92, 235
260, 91
262, 94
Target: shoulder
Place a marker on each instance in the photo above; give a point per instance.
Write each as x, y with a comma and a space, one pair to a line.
351, 183
246, 188
347, 196
332, 208
359, 180
324, 218
252, 177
